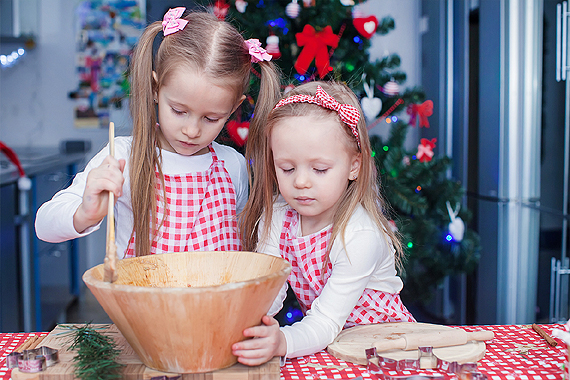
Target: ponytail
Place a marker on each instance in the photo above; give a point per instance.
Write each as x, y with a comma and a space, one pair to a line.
143, 158
255, 153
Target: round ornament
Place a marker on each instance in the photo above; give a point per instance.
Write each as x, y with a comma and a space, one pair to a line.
273, 46
292, 9
357, 13
391, 88
241, 5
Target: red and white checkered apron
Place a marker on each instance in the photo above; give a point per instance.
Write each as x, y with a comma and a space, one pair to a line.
201, 214
307, 254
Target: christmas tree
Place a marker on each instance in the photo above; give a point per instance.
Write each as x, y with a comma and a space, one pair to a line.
329, 40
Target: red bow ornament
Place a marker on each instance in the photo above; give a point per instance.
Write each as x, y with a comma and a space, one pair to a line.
238, 131
315, 46
422, 110
425, 150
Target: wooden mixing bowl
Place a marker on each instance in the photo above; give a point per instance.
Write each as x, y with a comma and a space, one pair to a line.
181, 312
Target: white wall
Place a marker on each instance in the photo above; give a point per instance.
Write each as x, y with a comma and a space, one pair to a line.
35, 110
403, 40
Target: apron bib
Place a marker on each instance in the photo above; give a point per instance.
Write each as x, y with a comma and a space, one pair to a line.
307, 254
201, 212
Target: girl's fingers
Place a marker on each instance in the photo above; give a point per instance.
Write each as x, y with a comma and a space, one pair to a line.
250, 344
253, 361
256, 331
269, 321
107, 177
101, 182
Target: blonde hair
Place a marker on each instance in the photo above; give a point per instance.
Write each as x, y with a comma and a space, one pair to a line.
207, 45
364, 191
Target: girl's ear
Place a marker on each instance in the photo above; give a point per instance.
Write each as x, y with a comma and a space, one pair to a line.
355, 167
155, 86
238, 103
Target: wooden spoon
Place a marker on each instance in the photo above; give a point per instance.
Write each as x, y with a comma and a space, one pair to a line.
110, 263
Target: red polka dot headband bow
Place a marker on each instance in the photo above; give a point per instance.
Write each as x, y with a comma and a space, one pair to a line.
171, 22
347, 113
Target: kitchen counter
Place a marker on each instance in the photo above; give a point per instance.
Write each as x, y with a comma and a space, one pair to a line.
34, 161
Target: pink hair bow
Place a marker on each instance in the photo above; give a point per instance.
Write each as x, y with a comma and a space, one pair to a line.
256, 51
171, 22
347, 113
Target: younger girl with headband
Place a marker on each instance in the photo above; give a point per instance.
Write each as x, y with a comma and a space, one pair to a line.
321, 210
176, 189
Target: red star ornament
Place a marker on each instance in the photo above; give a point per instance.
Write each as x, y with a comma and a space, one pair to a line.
366, 26
425, 150
238, 131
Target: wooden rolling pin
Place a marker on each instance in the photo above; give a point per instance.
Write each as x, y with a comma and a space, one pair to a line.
452, 337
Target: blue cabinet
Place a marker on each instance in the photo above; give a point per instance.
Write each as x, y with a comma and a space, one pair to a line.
10, 311
38, 280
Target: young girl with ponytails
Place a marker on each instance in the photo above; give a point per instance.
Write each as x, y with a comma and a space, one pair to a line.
176, 189
317, 205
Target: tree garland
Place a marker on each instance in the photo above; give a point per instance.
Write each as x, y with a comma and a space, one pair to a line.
96, 354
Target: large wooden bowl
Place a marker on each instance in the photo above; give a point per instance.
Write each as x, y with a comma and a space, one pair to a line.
181, 312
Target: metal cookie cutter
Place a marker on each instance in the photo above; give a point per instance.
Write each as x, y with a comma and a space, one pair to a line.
31, 361
379, 366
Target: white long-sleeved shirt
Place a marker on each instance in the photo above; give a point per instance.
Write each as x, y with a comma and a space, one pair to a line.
368, 262
54, 219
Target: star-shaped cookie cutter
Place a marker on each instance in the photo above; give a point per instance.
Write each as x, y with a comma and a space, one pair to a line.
380, 366
34, 360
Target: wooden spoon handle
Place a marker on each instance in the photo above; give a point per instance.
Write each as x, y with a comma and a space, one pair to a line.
110, 263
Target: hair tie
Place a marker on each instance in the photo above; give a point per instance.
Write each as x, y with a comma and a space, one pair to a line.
171, 22
347, 113
256, 51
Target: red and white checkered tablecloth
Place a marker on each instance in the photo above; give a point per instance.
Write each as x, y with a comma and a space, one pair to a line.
516, 353
8, 343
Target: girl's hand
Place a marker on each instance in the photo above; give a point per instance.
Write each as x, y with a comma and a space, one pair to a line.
268, 341
107, 177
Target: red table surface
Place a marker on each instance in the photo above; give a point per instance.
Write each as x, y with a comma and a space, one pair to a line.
516, 353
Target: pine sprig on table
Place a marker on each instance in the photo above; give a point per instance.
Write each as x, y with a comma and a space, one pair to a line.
96, 354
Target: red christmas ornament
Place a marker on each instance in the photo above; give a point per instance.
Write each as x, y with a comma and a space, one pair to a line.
315, 46
366, 26
422, 110
221, 9
425, 150
238, 131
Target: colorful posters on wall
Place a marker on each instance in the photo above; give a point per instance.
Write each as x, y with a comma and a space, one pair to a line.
107, 31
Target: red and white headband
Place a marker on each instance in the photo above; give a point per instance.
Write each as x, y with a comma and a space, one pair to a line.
347, 113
